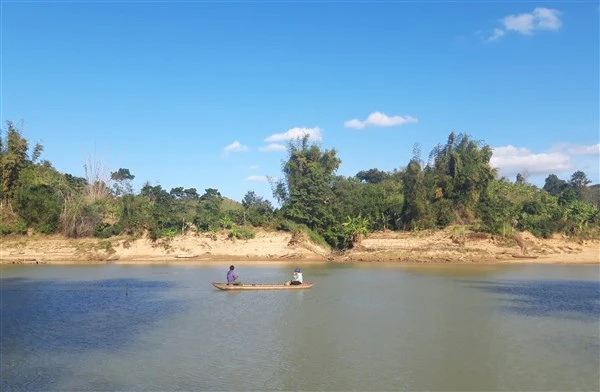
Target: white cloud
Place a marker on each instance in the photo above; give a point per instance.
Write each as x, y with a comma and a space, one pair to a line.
273, 147
522, 23
378, 119
547, 19
498, 33
529, 23
257, 179
354, 123
235, 147
314, 134
593, 149
510, 160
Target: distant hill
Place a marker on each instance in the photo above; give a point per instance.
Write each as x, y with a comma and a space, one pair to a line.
231, 205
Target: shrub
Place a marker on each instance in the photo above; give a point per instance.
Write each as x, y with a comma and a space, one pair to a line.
4, 230
241, 233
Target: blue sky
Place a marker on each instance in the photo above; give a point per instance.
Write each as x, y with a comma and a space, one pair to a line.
204, 94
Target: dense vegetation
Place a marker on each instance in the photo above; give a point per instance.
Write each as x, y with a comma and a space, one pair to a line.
455, 186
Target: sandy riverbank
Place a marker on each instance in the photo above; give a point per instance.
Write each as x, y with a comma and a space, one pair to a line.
449, 246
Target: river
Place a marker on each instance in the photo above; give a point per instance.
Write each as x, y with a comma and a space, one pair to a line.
364, 327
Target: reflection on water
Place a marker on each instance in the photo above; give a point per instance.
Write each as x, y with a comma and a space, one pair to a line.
46, 318
569, 299
361, 327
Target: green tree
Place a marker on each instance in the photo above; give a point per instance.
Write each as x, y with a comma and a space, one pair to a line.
181, 193
567, 196
536, 217
579, 215
380, 203
520, 179
306, 188
579, 180
185, 203
209, 209
554, 185
13, 158
415, 210
462, 169
372, 176
498, 208
134, 214
160, 206
579, 183
257, 210
40, 207
122, 182
594, 196
37, 152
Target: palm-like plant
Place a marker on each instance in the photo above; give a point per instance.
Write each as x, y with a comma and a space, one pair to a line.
355, 228
226, 222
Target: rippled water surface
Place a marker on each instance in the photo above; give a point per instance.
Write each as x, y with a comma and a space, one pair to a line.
363, 327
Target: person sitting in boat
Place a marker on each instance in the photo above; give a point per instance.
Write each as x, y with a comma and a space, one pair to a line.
232, 276
297, 277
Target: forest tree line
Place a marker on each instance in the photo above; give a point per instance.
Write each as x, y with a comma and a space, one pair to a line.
455, 185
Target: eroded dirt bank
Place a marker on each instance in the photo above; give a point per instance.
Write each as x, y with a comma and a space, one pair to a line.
449, 246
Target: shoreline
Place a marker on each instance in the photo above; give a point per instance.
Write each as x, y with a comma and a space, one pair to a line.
272, 247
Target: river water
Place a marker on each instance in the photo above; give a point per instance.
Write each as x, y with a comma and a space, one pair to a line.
362, 327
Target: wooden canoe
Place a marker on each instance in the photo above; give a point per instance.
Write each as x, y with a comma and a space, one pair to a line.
261, 286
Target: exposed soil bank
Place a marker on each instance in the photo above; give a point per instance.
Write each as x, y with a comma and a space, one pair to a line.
449, 246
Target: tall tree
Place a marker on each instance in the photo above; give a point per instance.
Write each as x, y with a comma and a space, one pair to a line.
306, 189
554, 185
257, 210
579, 183
134, 213
372, 176
160, 204
461, 169
209, 209
415, 207
122, 182
40, 206
579, 180
181, 193
13, 158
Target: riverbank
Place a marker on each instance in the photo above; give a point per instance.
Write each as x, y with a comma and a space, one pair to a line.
455, 245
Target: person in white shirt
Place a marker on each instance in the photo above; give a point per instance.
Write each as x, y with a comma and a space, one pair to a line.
297, 277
